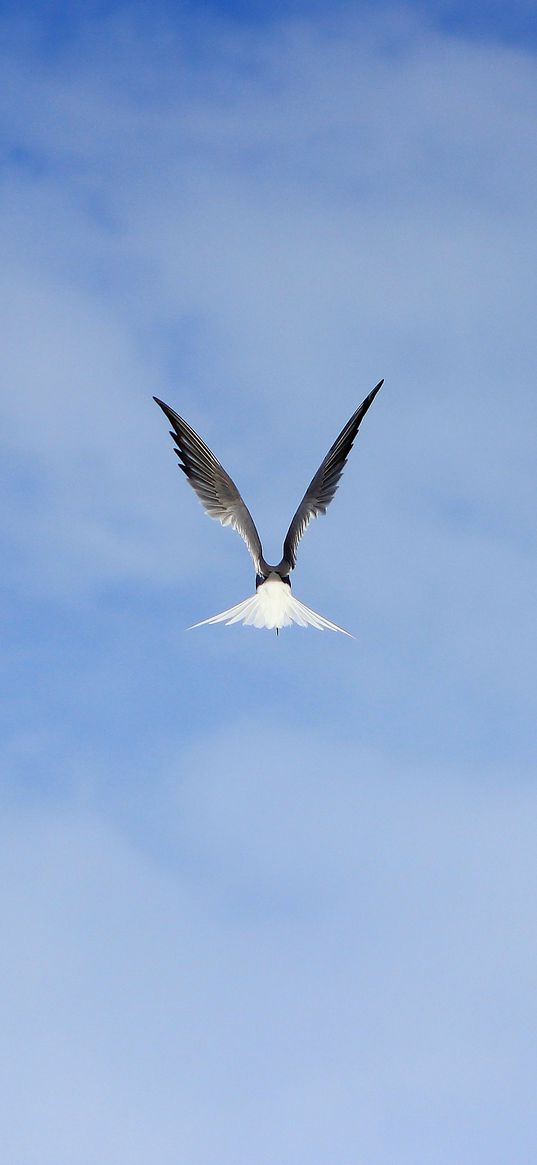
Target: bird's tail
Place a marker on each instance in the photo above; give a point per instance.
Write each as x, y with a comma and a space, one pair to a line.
273, 607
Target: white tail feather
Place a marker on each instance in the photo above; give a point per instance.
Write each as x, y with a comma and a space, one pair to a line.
273, 606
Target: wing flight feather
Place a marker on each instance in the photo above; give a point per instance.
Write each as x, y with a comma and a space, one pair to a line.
216, 491
323, 486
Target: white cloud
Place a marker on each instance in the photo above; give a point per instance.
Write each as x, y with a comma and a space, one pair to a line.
333, 957
306, 936
263, 247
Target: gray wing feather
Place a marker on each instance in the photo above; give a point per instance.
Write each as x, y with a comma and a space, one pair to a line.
217, 493
323, 486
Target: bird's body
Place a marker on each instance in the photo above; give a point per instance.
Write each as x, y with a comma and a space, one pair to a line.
273, 605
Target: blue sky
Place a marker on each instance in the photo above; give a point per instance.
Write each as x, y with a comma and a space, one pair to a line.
268, 899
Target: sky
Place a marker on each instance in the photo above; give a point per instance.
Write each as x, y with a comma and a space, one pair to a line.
268, 899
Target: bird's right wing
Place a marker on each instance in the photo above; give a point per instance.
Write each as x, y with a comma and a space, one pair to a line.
323, 486
217, 493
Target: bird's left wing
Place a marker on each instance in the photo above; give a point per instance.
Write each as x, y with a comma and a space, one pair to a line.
323, 486
217, 493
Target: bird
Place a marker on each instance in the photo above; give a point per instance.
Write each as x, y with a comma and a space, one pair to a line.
272, 605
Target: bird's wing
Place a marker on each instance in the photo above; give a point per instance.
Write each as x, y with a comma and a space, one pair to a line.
323, 486
217, 493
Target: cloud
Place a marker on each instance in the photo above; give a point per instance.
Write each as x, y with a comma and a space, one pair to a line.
262, 247
329, 958
267, 899
256, 232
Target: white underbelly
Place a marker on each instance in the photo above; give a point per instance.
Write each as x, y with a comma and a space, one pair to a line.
274, 604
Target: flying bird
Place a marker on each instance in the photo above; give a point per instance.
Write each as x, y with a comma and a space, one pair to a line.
273, 605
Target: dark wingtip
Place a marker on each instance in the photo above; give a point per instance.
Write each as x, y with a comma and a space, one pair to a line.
370, 398
168, 412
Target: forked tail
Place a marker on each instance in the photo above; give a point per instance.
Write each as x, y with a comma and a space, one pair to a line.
273, 606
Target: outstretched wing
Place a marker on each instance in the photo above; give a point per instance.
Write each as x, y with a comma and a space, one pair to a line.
323, 486
217, 493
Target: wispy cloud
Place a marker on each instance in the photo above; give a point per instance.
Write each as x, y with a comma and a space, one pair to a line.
358, 194
268, 899
329, 957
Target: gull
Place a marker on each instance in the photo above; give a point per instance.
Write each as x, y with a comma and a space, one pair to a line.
273, 605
